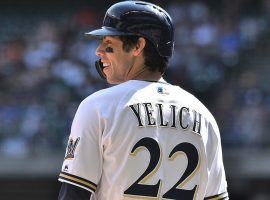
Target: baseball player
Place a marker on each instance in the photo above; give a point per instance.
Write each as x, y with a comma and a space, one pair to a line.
142, 138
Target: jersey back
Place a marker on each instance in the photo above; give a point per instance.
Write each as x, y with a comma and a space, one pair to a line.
143, 140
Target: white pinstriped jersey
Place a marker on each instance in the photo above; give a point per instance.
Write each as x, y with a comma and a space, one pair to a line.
145, 139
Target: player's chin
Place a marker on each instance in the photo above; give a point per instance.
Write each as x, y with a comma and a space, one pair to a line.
109, 81
113, 80
107, 73
109, 77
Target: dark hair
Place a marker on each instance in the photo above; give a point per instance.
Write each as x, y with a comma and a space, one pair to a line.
152, 59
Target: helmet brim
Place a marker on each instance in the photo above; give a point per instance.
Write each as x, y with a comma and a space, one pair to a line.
105, 31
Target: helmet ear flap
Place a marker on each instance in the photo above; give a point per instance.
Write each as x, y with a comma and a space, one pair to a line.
100, 67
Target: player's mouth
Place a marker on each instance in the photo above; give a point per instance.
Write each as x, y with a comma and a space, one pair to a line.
106, 64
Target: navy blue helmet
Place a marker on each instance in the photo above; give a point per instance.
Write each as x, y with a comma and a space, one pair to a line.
141, 19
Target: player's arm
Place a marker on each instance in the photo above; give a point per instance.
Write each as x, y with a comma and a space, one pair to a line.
72, 192
83, 160
217, 184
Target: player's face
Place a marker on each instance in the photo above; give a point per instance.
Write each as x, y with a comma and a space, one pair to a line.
116, 61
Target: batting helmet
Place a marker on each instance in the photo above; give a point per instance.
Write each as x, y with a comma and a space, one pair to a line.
141, 19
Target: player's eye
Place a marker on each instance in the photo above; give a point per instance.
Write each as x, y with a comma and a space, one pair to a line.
109, 49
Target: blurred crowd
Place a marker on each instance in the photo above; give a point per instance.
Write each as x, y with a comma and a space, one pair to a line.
48, 69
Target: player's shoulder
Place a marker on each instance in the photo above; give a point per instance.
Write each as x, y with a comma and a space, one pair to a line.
196, 104
109, 95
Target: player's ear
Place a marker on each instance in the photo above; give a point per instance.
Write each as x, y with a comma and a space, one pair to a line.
139, 46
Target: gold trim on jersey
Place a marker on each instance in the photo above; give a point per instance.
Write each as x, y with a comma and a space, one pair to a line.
222, 196
78, 180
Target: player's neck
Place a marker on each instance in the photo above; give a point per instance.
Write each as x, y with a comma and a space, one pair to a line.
141, 72
148, 75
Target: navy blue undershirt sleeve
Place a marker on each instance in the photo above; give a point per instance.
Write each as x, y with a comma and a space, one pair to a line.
72, 192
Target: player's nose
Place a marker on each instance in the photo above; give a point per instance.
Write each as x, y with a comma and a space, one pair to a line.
100, 51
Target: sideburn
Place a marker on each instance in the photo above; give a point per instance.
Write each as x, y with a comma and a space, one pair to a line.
129, 42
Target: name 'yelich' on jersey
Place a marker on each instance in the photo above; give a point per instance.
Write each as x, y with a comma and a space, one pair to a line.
179, 117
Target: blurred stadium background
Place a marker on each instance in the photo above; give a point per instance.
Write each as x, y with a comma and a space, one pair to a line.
46, 69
